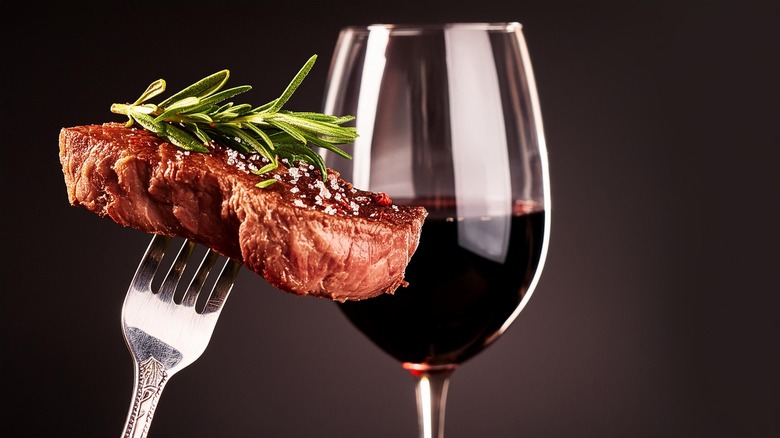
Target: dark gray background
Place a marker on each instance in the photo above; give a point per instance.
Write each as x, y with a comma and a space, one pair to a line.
657, 314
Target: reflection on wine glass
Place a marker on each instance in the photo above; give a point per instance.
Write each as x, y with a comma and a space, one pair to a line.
448, 118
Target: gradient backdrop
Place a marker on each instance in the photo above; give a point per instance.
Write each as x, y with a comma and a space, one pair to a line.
656, 316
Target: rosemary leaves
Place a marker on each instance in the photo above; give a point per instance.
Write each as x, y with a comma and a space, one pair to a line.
197, 116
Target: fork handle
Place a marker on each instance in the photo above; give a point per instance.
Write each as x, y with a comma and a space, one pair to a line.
150, 379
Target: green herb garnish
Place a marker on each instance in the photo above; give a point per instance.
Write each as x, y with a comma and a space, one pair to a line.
194, 117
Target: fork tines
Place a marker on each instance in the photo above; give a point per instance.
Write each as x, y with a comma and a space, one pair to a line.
167, 290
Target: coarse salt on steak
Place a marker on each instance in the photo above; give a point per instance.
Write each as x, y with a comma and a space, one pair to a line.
302, 234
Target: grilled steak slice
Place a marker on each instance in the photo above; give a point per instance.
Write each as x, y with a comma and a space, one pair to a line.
302, 234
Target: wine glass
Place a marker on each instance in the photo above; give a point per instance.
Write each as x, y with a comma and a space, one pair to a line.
448, 118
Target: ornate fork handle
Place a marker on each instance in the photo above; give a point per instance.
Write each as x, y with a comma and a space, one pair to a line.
150, 377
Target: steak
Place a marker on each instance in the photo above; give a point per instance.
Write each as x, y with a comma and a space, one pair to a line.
303, 234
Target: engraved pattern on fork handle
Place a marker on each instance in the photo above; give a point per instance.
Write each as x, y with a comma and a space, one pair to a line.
151, 378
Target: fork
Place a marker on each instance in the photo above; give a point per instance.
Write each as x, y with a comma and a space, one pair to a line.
164, 336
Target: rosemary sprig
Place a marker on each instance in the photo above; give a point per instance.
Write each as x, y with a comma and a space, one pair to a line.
195, 116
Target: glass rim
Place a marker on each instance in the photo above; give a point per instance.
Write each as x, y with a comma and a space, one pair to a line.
414, 28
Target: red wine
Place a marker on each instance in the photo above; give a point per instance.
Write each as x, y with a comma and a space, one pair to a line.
456, 299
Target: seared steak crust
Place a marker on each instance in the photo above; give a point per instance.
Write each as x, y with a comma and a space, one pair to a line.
303, 235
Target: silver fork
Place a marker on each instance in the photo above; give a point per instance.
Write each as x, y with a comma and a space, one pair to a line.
164, 336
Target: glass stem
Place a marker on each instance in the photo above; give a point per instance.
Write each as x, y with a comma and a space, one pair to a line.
431, 389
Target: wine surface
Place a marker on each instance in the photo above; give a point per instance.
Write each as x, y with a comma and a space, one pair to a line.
456, 299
